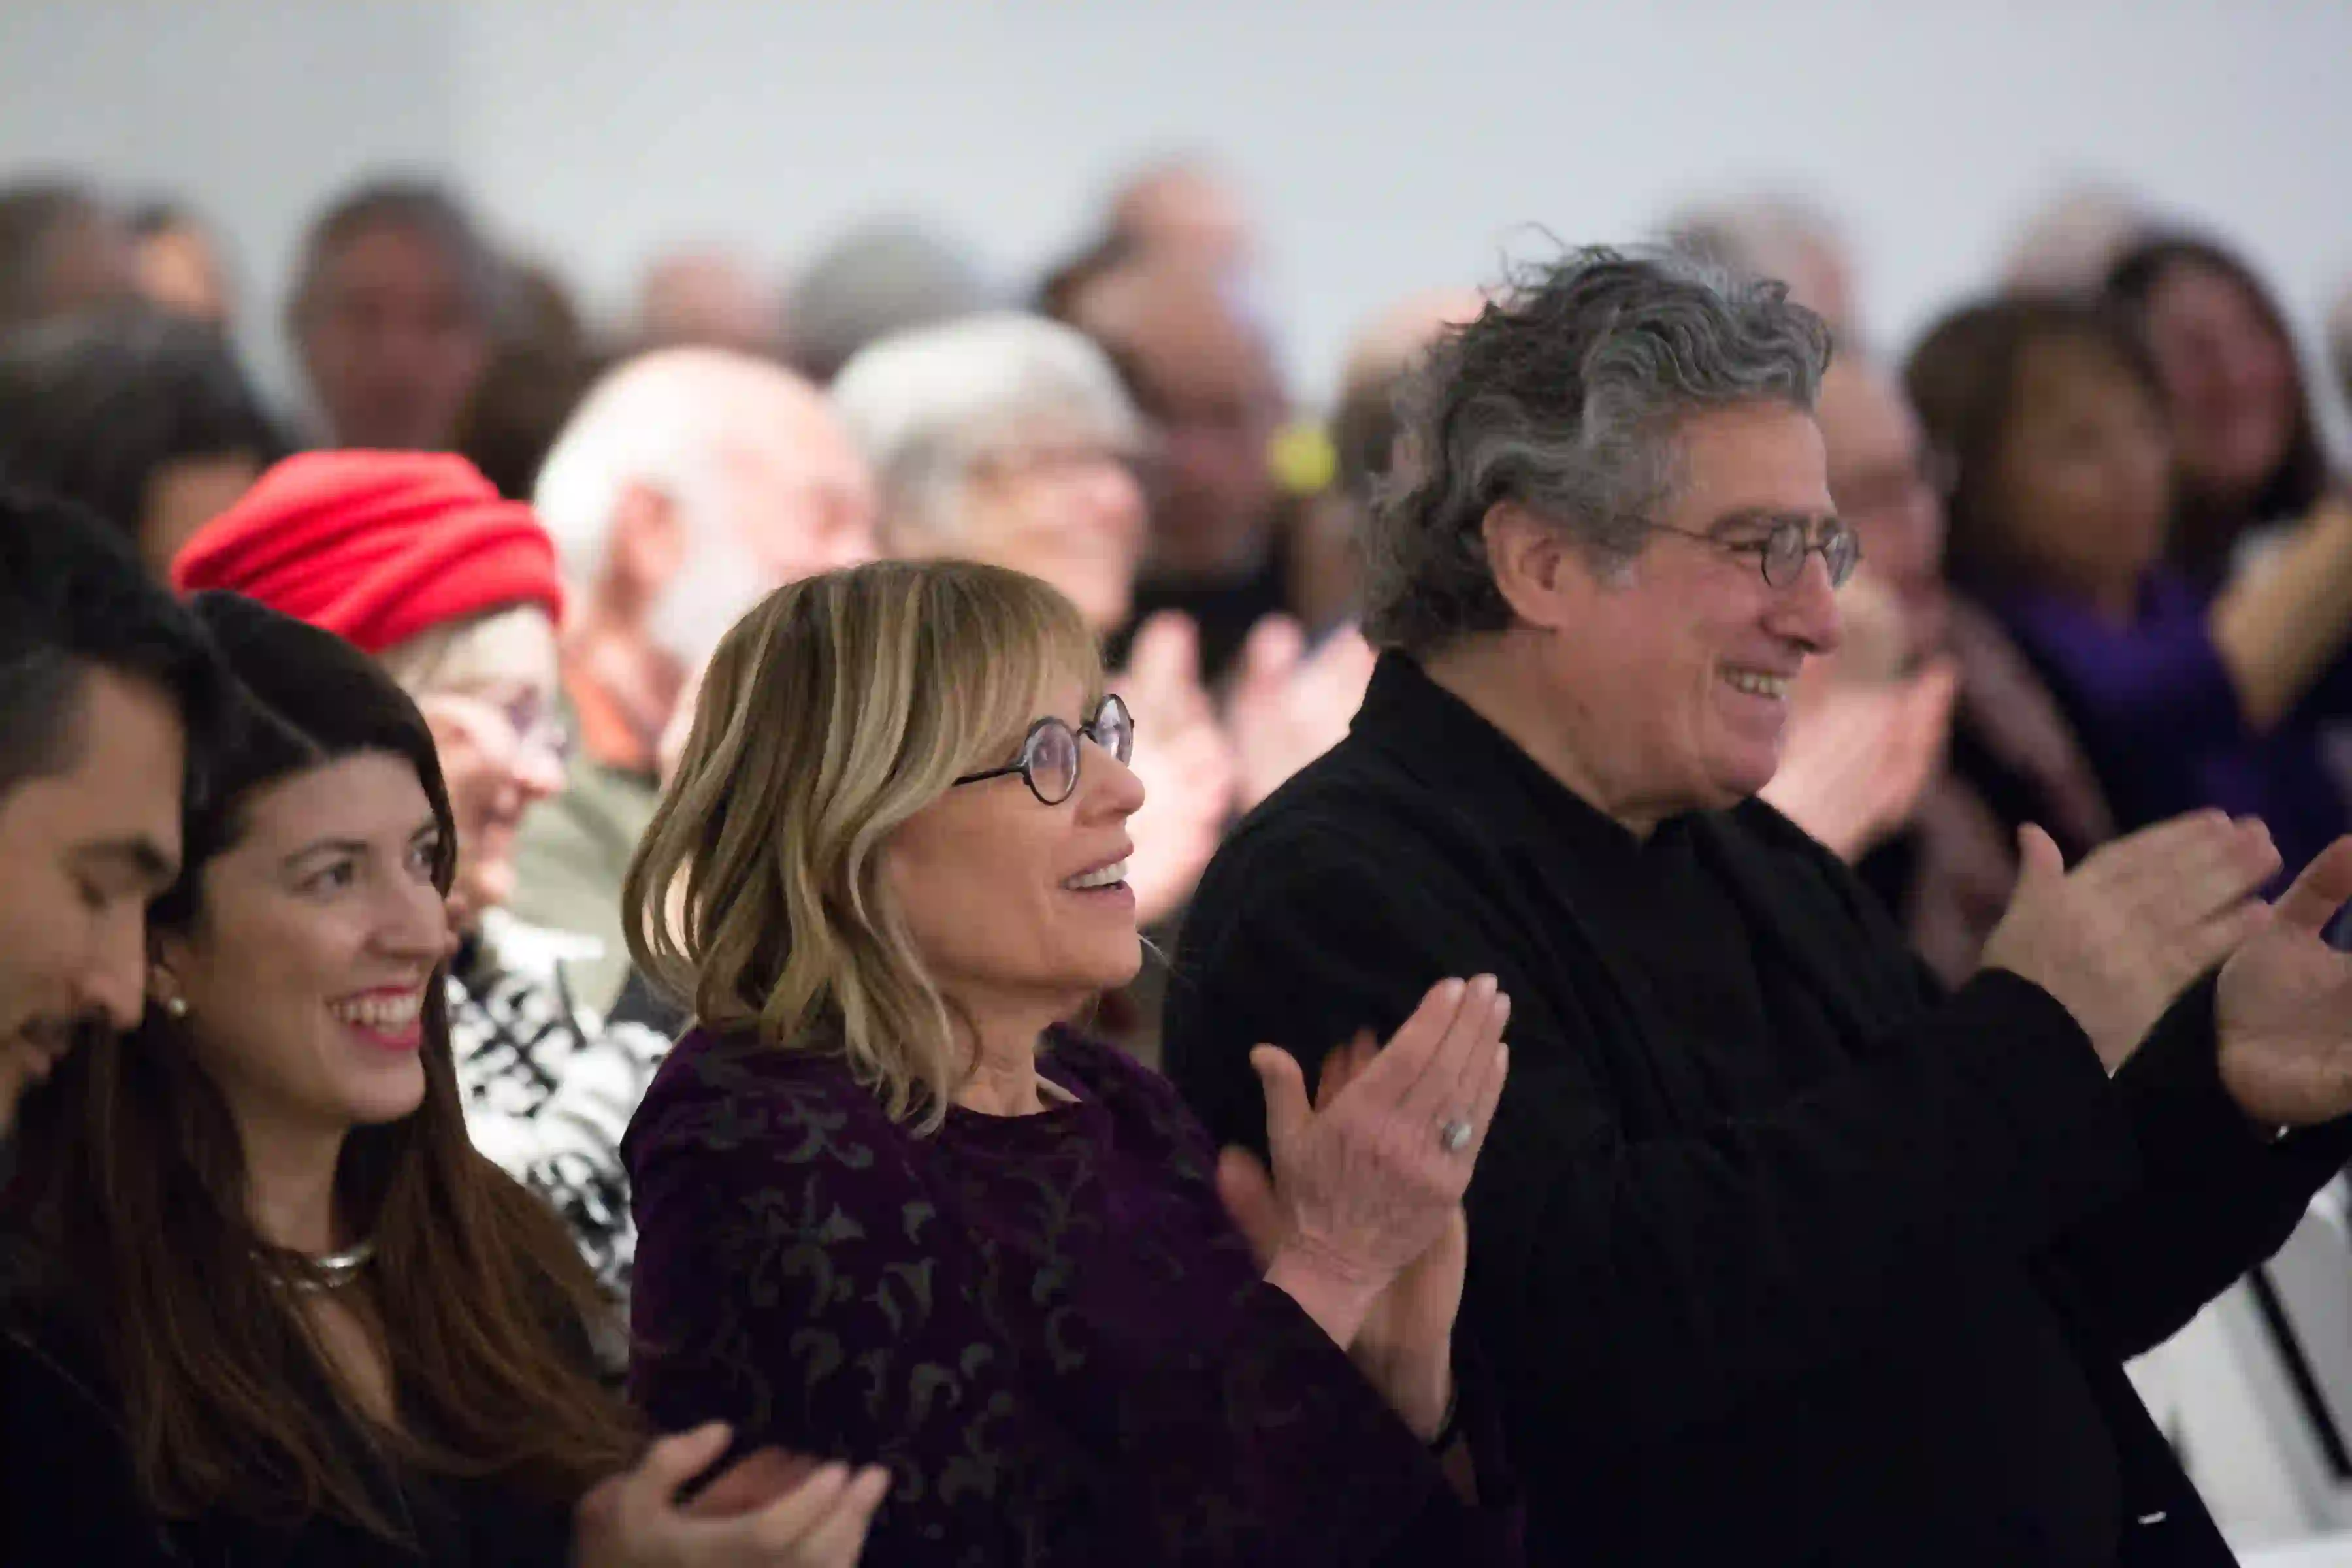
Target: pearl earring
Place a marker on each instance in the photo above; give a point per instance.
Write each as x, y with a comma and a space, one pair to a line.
175, 1007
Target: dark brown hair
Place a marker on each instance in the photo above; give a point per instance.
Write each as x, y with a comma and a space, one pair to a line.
1964, 379
2205, 526
132, 1182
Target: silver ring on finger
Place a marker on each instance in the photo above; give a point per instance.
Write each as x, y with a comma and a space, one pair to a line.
1453, 1134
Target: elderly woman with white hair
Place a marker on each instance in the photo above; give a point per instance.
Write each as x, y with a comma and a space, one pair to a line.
1008, 440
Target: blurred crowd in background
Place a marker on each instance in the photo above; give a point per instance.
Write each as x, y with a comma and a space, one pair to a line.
2107, 556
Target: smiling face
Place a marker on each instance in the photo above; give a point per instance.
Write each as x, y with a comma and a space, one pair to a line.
1669, 681
1006, 898
2229, 377
317, 933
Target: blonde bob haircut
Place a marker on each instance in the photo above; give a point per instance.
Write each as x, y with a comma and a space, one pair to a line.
836, 711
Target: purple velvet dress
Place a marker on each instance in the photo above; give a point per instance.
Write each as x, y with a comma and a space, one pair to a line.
1045, 1326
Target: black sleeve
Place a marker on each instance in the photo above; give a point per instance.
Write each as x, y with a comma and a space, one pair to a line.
67, 1496
2216, 1198
1696, 1270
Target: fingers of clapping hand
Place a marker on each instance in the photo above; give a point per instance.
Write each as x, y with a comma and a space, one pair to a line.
753, 1481
1248, 1195
822, 1523
1447, 1082
669, 1463
2039, 862
2323, 887
1341, 1065
2197, 864
1287, 1110
1165, 656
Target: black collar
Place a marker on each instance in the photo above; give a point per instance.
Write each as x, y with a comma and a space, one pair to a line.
1788, 885
1454, 750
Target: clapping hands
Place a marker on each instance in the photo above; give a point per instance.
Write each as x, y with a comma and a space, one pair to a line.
770, 1510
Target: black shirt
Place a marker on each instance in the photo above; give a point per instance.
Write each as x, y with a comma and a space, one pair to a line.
1780, 1255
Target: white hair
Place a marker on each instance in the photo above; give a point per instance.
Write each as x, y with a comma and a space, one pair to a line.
661, 420
924, 404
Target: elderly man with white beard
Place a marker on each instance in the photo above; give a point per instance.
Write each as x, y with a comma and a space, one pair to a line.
690, 483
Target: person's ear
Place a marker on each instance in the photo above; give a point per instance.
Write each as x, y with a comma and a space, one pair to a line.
1538, 569
648, 545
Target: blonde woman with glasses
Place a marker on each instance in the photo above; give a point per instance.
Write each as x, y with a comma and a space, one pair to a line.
890, 1206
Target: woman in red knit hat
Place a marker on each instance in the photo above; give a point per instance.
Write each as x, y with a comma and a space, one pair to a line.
416, 559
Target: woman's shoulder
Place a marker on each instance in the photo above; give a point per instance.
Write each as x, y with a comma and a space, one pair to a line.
736, 1094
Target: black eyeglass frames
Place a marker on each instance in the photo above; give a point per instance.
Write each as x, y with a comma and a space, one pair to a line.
1049, 753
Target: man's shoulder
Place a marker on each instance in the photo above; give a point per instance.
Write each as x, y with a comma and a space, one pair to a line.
1355, 809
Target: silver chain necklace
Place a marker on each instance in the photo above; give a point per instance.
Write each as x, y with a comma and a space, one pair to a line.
328, 1270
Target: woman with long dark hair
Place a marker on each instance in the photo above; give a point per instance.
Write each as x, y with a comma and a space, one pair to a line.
2247, 457
262, 1297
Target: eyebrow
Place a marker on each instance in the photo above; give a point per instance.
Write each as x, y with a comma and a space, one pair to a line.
141, 856
430, 829
1764, 519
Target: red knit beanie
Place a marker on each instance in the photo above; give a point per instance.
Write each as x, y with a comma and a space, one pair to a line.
375, 546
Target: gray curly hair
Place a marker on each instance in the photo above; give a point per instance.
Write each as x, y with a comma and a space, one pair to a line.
1566, 397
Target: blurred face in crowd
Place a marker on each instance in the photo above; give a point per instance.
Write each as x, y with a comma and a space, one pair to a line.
1891, 487
488, 687
1203, 377
2079, 481
86, 847
786, 495
89, 261
184, 495
392, 341
317, 933
1015, 904
1062, 505
1672, 676
2227, 375
180, 271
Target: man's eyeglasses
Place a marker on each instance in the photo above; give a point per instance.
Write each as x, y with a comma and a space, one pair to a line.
1780, 554
1049, 753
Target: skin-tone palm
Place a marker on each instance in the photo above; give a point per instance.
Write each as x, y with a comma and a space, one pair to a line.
1183, 757
1361, 1221
1289, 705
2283, 1010
1405, 1345
1859, 756
2117, 939
768, 1511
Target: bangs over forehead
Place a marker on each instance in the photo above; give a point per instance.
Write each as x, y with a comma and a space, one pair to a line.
997, 655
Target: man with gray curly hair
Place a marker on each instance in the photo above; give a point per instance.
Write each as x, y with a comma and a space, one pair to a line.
1782, 1253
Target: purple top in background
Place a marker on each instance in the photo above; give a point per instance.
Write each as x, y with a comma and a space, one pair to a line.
2160, 718
1044, 1325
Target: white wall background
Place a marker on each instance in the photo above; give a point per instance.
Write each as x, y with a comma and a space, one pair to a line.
1386, 144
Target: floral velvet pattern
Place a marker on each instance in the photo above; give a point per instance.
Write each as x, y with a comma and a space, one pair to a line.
1044, 1325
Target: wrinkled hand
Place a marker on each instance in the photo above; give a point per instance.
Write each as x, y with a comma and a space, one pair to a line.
2283, 1010
2118, 937
1366, 1186
1405, 1345
1289, 706
1185, 761
1860, 753
768, 1511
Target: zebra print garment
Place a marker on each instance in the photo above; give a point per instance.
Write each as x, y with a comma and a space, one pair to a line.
548, 1086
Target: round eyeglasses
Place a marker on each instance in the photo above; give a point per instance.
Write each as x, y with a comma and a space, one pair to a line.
1049, 753
1782, 552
